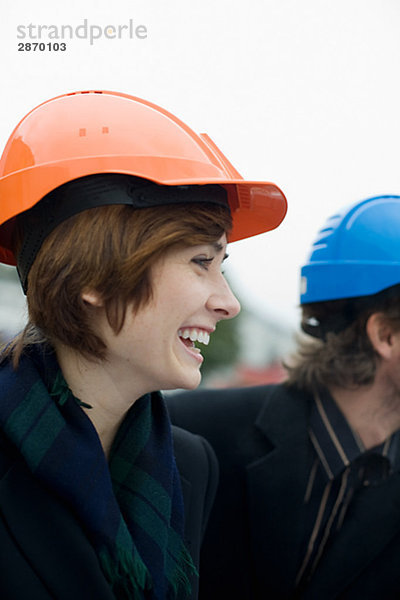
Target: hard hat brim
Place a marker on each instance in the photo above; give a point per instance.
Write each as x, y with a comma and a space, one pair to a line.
256, 206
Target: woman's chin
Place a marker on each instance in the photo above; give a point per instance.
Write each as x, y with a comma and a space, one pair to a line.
186, 383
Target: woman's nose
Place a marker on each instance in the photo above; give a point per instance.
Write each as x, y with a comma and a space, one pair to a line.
224, 302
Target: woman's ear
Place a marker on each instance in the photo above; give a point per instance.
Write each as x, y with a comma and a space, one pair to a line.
381, 335
92, 298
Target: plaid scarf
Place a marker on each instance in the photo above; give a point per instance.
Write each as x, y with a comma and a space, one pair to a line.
131, 509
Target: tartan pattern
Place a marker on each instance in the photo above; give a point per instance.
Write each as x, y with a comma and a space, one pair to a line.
131, 509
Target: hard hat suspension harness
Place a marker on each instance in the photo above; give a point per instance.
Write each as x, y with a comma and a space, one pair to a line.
101, 190
346, 312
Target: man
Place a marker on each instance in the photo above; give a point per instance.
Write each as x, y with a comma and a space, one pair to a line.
309, 498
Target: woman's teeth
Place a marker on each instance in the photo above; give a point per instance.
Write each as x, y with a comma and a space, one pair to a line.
195, 335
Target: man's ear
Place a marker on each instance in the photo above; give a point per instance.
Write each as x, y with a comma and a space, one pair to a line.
92, 298
380, 333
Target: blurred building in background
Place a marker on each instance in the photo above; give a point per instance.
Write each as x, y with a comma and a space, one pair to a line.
12, 303
251, 355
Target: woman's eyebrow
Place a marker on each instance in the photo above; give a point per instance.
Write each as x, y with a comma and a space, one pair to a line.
217, 247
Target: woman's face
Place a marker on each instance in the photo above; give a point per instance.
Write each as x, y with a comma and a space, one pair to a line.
156, 344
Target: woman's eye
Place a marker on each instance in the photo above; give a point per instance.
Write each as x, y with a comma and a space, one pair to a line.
202, 261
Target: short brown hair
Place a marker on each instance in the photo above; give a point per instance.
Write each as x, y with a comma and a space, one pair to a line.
344, 357
110, 249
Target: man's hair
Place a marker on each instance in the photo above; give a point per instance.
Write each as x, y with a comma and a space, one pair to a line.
344, 356
109, 249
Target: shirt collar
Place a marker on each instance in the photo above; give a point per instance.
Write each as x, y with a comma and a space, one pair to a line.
337, 445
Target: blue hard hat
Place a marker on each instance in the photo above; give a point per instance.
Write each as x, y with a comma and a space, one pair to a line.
356, 253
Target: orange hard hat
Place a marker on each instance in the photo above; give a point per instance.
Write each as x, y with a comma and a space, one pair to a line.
91, 132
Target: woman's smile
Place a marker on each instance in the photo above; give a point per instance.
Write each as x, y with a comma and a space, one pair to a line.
189, 335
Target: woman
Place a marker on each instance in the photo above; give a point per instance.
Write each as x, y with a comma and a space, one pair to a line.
117, 217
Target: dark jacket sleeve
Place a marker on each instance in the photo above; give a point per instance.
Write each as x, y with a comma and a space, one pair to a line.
198, 470
226, 419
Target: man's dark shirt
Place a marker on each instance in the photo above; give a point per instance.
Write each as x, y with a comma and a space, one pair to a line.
341, 468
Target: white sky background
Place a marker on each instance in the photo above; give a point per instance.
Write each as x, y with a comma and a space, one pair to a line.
304, 93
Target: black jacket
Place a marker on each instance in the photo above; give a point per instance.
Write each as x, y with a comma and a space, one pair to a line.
44, 553
253, 542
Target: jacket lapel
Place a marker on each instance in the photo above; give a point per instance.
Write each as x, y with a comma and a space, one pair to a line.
276, 489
